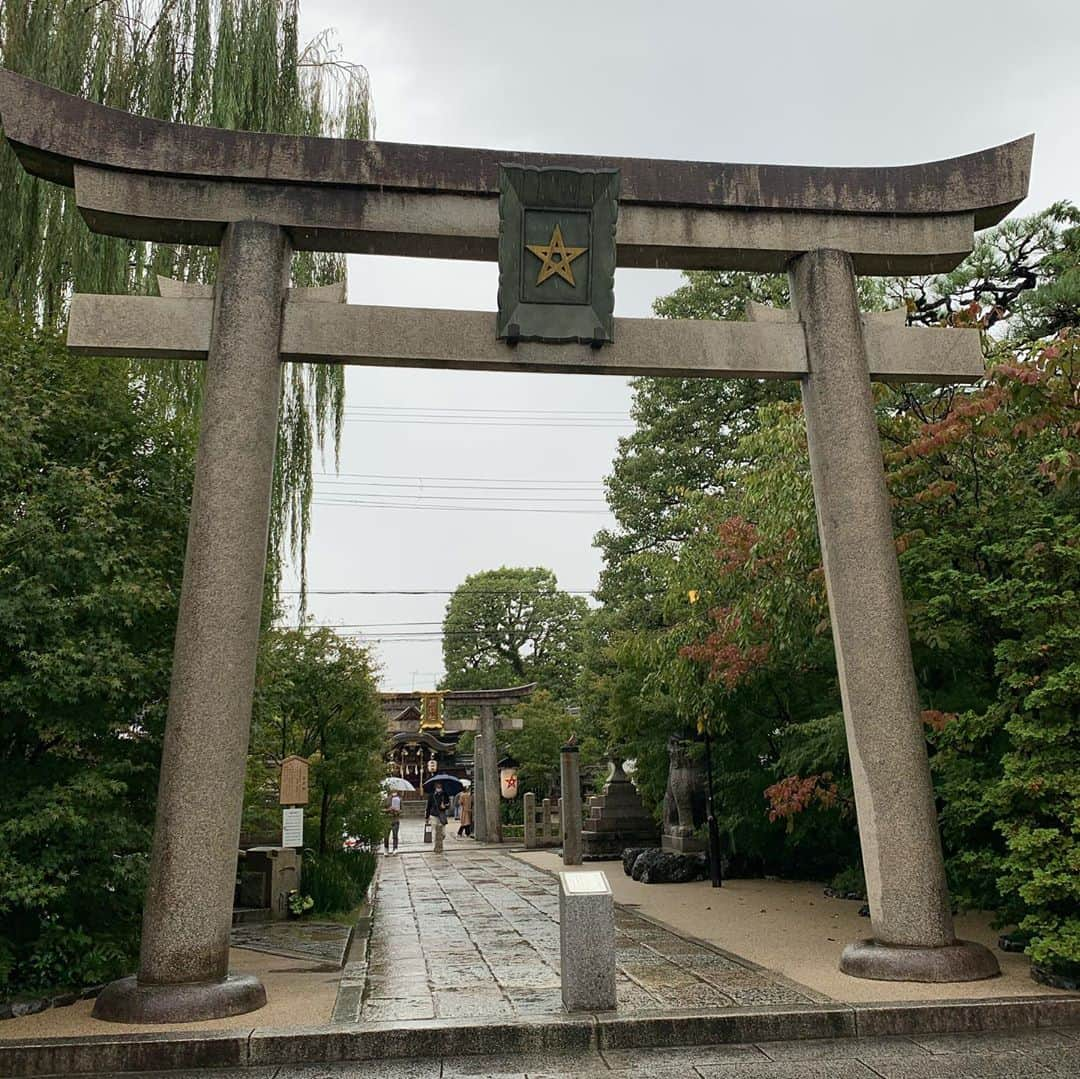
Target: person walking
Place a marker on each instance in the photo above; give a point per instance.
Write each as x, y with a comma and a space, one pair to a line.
438, 804
465, 805
393, 820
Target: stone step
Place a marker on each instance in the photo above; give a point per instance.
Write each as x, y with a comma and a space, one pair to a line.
244, 915
263, 1050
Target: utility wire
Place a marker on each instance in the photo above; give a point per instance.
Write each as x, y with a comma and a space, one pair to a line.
360, 503
454, 479
427, 591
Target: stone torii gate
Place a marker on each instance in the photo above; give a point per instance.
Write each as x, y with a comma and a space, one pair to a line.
487, 799
259, 196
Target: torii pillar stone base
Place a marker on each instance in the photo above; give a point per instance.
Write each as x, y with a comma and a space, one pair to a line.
910, 913
184, 957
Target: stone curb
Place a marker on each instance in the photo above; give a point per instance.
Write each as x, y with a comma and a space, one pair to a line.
354, 969
434, 1038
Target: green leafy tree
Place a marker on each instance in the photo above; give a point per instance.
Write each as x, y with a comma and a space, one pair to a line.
317, 697
226, 63
546, 727
95, 478
506, 627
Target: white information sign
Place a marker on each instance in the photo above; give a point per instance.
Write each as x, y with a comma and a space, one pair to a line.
589, 882
292, 827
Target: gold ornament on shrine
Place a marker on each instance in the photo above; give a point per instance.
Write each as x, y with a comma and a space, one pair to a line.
431, 711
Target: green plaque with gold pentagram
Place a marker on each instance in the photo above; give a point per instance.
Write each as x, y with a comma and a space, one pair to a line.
557, 254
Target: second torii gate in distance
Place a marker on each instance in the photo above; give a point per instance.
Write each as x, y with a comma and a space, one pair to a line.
487, 799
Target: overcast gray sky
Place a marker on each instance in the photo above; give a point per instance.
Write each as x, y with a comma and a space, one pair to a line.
831, 83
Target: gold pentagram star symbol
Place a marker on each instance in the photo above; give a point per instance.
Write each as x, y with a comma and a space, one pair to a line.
555, 257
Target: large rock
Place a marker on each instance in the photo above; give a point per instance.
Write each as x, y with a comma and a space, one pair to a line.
668, 867
630, 856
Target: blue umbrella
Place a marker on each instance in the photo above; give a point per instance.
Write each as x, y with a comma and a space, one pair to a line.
450, 784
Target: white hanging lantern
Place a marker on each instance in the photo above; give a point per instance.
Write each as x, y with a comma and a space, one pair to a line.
508, 782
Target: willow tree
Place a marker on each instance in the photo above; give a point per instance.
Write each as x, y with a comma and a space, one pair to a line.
222, 63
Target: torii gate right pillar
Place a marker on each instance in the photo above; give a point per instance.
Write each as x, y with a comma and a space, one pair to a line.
894, 797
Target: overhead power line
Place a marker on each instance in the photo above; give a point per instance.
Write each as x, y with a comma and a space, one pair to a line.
465, 421
427, 591
332, 482
472, 480
364, 503
452, 410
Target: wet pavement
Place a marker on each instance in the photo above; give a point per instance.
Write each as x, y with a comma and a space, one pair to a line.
322, 942
475, 934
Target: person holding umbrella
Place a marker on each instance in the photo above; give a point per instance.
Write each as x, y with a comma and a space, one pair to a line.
392, 808
438, 805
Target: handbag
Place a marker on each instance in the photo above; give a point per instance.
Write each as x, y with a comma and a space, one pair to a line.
427, 831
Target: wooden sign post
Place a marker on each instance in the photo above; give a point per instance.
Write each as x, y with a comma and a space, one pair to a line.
294, 796
294, 782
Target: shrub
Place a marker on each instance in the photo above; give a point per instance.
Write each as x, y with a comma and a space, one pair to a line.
337, 880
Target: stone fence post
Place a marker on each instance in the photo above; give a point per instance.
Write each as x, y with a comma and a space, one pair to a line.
528, 811
570, 824
545, 822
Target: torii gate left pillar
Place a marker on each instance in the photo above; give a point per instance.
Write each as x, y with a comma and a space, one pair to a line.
184, 958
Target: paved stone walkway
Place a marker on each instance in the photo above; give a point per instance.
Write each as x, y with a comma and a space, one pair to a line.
476, 935
324, 942
1037, 1054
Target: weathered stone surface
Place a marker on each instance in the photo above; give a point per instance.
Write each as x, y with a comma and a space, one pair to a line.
131, 1001
616, 819
187, 914
657, 866
179, 328
52, 131
479, 791
528, 811
428, 225
587, 941
491, 803
905, 875
570, 804
961, 961
630, 856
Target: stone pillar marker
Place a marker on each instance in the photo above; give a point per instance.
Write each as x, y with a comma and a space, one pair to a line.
478, 789
587, 942
545, 822
492, 794
184, 958
905, 876
570, 813
528, 810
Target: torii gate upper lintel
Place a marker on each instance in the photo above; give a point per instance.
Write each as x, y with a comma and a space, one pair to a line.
259, 196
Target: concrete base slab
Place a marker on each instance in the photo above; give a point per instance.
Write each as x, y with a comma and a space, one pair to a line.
126, 1001
964, 961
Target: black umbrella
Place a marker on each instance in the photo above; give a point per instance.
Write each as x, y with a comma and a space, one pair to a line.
450, 784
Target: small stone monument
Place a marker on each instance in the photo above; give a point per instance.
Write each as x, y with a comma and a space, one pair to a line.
587, 941
617, 819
